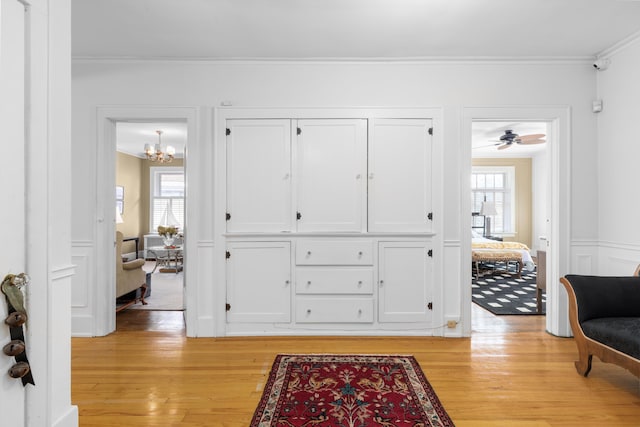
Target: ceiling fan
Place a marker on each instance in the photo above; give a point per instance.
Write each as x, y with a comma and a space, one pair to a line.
509, 138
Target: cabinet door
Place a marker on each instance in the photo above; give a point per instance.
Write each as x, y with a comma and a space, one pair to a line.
404, 282
400, 175
331, 168
258, 282
259, 175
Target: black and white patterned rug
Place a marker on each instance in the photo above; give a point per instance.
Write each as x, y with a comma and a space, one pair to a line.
504, 293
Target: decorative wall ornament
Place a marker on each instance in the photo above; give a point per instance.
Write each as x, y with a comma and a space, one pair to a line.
11, 287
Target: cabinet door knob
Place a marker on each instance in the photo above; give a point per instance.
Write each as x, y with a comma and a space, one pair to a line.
360, 253
286, 282
371, 175
286, 176
308, 252
359, 282
308, 311
381, 282
308, 282
359, 311
358, 176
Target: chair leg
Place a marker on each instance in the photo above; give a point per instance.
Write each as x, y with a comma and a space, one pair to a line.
143, 291
583, 366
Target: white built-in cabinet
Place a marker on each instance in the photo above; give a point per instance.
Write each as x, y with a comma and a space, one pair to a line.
328, 225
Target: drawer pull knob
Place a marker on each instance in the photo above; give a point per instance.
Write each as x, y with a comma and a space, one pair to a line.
308, 252
359, 312
359, 282
308, 282
358, 176
308, 311
360, 253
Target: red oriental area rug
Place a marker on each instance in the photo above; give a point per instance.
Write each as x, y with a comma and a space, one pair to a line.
348, 391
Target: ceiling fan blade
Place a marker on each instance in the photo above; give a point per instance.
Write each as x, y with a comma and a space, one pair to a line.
533, 141
532, 136
503, 146
484, 146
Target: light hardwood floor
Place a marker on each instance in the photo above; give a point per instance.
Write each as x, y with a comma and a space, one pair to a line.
509, 373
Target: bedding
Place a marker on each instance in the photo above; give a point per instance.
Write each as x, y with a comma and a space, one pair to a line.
482, 245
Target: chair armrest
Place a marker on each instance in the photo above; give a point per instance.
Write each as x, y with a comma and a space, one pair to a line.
132, 265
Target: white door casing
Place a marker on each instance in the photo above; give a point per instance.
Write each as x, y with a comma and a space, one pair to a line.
12, 177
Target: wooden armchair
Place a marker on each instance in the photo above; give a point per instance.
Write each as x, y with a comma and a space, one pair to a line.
129, 276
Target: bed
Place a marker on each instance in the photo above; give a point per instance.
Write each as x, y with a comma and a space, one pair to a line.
487, 251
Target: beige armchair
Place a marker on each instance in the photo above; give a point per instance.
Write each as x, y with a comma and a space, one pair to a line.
129, 276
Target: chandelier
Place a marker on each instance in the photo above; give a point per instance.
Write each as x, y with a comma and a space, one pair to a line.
158, 153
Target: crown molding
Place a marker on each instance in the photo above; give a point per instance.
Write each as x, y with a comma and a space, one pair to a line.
330, 61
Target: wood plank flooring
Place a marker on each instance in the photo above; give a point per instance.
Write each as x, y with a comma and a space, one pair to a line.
509, 373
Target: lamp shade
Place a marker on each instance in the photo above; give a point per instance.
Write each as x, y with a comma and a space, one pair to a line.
119, 219
488, 209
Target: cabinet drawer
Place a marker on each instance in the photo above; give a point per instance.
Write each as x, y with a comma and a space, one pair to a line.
334, 310
334, 280
315, 252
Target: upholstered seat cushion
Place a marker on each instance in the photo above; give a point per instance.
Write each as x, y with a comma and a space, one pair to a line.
620, 333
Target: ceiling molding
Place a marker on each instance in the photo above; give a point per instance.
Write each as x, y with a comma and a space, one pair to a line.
421, 60
621, 45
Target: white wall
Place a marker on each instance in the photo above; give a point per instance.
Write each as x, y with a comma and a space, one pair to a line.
449, 85
618, 156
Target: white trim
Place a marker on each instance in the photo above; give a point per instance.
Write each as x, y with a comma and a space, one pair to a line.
62, 272
431, 60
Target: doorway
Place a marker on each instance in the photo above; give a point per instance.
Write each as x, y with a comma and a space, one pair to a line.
509, 201
150, 193
557, 227
107, 123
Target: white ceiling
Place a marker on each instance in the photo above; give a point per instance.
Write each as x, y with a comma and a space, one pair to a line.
346, 30
132, 136
349, 29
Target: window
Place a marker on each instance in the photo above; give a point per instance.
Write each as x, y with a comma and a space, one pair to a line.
167, 197
494, 184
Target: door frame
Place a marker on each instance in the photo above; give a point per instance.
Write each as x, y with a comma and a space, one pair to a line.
107, 118
558, 242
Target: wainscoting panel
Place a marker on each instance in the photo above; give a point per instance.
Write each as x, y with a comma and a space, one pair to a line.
584, 257
200, 298
82, 315
618, 259
456, 287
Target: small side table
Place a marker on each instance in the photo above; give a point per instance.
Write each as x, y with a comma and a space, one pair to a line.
164, 256
541, 278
